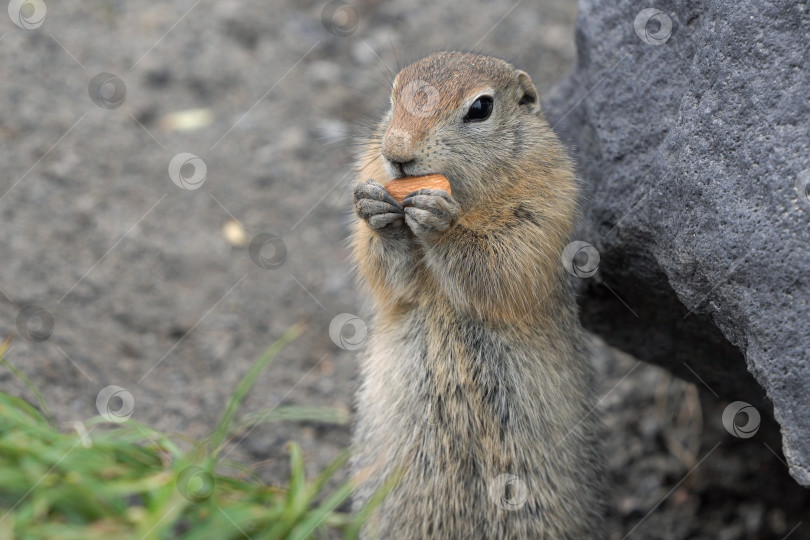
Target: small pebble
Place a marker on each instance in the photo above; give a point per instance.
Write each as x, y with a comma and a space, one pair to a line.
235, 233
187, 120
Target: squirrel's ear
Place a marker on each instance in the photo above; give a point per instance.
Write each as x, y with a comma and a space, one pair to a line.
527, 92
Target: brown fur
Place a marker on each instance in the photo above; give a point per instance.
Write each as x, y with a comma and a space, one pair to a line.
475, 365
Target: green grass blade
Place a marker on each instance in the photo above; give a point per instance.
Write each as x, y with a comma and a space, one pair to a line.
25, 380
330, 470
315, 518
247, 383
374, 501
324, 415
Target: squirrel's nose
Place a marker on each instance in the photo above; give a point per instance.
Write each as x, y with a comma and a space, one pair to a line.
397, 146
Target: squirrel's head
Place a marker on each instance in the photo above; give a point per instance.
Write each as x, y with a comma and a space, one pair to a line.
469, 117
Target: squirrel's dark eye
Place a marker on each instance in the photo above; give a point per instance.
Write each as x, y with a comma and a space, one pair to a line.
479, 110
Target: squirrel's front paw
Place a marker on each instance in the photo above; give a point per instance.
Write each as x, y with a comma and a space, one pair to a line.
376, 206
430, 210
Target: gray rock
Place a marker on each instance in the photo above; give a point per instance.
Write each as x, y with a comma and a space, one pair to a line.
691, 130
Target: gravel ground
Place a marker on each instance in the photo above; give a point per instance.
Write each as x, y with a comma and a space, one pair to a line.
148, 292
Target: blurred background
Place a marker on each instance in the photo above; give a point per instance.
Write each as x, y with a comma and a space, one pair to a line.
175, 193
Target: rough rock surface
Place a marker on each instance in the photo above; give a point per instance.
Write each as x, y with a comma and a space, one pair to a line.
692, 129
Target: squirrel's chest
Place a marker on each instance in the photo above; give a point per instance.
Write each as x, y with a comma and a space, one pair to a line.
457, 376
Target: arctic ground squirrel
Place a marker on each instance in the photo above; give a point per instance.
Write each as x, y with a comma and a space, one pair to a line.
477, 389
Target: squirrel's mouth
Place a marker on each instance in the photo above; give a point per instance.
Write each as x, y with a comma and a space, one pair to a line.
397, 171
413, 172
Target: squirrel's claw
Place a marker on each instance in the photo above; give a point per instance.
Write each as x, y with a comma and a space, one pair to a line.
430, 210
376, 206
371, 189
